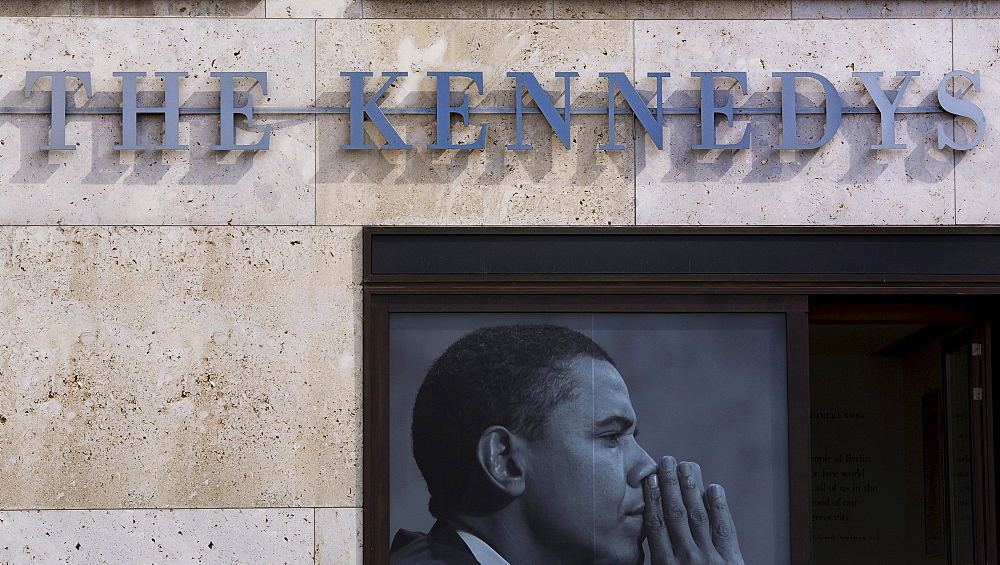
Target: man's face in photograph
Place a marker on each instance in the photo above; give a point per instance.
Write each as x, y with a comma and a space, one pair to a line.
584, 474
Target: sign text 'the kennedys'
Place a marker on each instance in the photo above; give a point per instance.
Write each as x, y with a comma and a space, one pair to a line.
651, 116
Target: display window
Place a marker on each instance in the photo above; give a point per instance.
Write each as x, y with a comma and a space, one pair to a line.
610, 396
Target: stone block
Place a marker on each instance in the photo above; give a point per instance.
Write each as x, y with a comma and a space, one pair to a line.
338, 536
314, 9
97, 184
135, 8
520, 9
547, 185
670, 9
843, 182
444, 9
836, 9
36, 9
976, 190
271, 535
173, 367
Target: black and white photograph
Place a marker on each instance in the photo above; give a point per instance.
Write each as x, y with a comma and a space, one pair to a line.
611, 438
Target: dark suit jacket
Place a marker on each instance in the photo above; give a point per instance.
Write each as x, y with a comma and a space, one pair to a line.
441, 546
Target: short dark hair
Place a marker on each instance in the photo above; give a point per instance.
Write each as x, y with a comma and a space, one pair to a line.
511, 376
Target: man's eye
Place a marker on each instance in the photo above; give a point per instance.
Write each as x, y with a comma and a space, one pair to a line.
612, 439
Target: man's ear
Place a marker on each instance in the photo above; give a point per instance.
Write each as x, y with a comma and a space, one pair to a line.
502, 455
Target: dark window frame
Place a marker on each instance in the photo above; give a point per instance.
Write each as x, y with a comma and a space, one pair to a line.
399, 279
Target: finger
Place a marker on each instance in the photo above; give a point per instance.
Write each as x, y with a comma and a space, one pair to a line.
693, 494
660, 550
674, 511
723, 527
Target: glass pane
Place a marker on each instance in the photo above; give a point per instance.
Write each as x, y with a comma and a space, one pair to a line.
709, 388
890, 445
959, 446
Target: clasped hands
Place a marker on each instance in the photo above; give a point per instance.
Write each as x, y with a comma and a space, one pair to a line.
685, 523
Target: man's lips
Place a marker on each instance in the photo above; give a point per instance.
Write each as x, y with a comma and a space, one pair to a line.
636, 511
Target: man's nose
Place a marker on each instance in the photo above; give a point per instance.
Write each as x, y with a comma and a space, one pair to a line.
642, 466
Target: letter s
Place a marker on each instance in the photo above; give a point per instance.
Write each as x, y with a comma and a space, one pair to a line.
960, 107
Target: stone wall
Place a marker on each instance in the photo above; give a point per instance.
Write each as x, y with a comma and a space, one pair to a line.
180, 349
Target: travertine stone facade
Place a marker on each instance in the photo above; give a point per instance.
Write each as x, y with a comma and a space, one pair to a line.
843, 182
976, 186
283, 535
98, 185
180, 332
549, 185
183, 367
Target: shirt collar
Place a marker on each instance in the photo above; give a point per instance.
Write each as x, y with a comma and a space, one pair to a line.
483, 553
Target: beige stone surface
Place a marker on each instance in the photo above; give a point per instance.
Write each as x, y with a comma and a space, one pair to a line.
976, 188
894, 9
512, 9
135, 8
338, 536
96, 184
265, 536
34, 8
422, 9
314, 8
456, 9
172, 367
671, 9
845, 181
547, 185
524, 9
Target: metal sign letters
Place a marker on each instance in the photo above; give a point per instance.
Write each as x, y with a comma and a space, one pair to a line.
651, 116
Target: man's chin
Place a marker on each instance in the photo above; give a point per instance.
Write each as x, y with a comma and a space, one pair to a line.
631, 556
640, 554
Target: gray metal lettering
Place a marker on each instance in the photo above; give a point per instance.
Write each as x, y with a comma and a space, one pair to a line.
57, 135
650, 115
170, 110
445, 110
228, 111
709, 110
789, 112
886, 108
559, 125
962, 108
359, 109
653, 126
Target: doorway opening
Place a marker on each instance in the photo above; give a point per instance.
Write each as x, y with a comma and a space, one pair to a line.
900, 402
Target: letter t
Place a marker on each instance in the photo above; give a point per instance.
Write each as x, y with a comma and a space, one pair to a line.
57, 139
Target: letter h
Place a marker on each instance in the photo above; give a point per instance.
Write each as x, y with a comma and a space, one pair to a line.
170, 110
